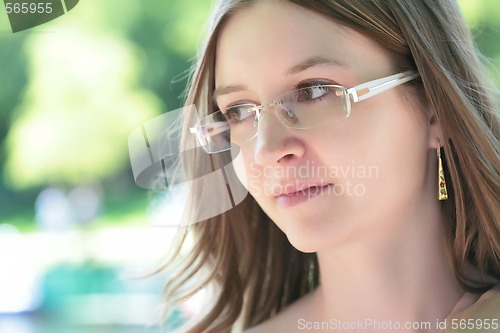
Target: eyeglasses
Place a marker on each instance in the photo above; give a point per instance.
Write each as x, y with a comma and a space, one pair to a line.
304, 108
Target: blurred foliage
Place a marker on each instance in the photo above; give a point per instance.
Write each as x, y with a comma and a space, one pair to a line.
482, 17
102, 73
74, 88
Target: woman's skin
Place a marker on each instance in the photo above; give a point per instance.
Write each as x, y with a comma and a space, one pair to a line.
380, 245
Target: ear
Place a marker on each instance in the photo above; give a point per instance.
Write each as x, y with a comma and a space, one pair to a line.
435, 133
434, 126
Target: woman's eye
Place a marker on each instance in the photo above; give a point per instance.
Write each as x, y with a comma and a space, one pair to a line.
312, 93
238, 113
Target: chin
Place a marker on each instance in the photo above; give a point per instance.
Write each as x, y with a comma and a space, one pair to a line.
314, 235
303, 243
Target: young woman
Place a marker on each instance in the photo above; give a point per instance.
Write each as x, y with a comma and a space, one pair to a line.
367, 138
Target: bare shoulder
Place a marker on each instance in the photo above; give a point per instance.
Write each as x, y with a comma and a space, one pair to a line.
483, 308
487, 305
287, 320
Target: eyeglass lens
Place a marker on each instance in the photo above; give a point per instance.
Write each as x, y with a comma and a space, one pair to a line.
303, 108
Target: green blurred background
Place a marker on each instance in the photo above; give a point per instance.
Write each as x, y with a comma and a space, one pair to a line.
75, 230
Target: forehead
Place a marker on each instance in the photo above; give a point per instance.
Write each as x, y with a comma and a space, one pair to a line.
271, 36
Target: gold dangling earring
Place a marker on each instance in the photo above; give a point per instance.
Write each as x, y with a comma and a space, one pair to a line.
442, 191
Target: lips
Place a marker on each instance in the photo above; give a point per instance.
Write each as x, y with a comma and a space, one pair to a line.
293, 195
294, 189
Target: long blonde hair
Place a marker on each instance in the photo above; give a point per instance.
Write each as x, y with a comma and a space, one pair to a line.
243, 254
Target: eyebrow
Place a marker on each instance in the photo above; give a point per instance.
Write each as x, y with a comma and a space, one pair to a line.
224, 90
302, 66
314, 61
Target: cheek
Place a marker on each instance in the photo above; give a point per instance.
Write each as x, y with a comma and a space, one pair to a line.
248, 172
254, 177
382, 147
240, 167
397, 147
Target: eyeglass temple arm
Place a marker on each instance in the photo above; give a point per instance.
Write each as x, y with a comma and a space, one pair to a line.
213, 129
372, 88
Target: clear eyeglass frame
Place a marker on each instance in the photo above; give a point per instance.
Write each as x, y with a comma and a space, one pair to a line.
207, 128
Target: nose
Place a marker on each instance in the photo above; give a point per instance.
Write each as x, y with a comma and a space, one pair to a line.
276, 143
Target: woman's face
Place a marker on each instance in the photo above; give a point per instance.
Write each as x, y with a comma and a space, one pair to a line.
350, 179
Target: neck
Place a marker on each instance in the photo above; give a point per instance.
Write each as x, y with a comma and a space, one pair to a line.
399, 276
